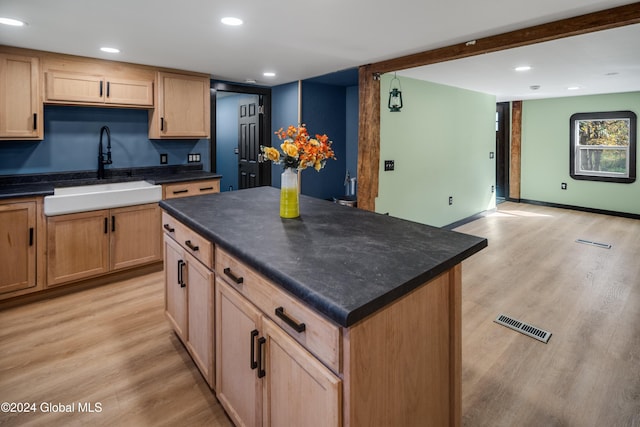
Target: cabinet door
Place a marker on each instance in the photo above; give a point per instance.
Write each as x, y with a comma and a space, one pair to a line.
78, 246
200, 283
237, 385
129, 92
74, 87
135, 236
182, 109
298, 389
17, 246
20, 103
175, 292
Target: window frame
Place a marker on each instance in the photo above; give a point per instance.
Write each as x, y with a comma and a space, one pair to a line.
631, 151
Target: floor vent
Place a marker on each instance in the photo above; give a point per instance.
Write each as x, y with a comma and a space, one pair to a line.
516, 325
589, 242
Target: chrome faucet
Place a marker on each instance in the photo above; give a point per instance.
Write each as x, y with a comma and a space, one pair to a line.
101, 159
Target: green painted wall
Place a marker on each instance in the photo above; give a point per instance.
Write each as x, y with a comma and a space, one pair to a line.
440, 143
545, 154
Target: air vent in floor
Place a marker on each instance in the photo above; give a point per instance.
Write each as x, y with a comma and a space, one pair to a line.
529, 330
598, 244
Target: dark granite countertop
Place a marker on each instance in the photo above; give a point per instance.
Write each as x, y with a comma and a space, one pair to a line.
346, 263
43, 184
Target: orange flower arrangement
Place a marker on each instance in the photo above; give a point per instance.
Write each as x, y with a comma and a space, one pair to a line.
299, 150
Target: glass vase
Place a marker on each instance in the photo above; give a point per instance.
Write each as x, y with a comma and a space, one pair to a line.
289, 203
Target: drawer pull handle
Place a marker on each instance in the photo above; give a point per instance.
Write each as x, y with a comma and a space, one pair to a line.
106, 225
169, 228
298, 327
162, 124
206, 189
113, 223
31, 236
100, 89
254, 363
230, 275
191, 245
180, 191
261, 371
35, 121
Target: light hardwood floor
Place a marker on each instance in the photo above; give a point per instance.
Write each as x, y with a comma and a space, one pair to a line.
587, 297
112, 344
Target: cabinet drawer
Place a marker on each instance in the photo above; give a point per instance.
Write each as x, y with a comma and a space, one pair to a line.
320, 337
192, 242
191, 188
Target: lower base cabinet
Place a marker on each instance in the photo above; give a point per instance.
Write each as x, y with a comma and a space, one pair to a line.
88, 244
17, 246
264, 377
189, 304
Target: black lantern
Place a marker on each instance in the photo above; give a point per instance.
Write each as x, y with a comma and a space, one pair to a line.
395, 95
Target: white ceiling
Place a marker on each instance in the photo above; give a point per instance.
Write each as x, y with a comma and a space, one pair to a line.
302, 39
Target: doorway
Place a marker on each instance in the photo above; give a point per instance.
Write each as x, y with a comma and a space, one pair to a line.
240, 124
502, 150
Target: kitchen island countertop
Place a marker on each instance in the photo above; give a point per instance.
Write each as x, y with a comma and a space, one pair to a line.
346, 263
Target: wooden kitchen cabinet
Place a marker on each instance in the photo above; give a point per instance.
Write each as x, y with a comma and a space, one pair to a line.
94, 243
238, 387
17, 246
189, 296
190, 188
263, 376
134, 236
20, 100
78, 246
70, 87
182, 107
175, 291
298, 390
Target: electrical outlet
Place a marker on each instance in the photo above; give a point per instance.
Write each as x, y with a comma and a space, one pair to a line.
196, 157
491, 155
164, 158
563, 186
493, 188
450, 200
389, 165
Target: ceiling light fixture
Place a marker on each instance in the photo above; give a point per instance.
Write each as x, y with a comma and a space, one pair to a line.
231, 21
269, 74
573, 88
110, 49
523, 68
12, 22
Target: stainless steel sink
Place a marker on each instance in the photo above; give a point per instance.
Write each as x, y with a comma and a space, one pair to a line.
100, 196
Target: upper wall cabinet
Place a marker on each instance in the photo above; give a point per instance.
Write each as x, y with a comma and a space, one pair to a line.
182, 107
68, 87
20, 100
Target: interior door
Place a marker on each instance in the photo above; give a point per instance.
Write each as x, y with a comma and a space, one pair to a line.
502, 149
248, 143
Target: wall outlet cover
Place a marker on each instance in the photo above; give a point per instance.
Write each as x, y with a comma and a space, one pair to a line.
389, 165
563, 186
164, 158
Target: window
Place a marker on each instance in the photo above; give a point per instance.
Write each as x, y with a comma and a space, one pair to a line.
603, 146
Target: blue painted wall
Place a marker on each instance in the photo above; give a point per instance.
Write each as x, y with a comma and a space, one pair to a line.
71, 138
324, 111
352, 106
227, 141
284, 112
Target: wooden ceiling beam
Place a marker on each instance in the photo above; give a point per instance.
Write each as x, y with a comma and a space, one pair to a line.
583, 24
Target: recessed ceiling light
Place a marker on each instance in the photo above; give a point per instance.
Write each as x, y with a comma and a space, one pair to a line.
573, 88
523, 68
12, 22
110, 49
534, 87
269, 74
229, 20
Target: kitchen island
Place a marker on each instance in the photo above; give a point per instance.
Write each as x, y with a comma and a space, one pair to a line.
365, 306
